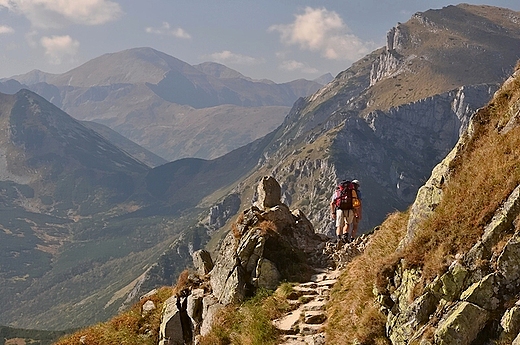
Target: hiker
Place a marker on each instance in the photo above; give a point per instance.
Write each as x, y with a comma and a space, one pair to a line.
343, 207
358, 214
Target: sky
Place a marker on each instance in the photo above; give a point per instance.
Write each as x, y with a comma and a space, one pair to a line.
280, 40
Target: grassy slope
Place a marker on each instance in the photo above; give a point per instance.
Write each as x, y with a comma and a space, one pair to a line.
439, 63
482, 177
485, 173
131, 327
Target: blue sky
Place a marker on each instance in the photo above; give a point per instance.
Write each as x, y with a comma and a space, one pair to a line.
281, 40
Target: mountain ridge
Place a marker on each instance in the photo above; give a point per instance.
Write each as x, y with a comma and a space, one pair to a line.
132, 89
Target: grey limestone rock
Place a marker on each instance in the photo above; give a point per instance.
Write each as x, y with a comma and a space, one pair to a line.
269, 193
210, 307
510, 321
462, 326
170, 332
202, 262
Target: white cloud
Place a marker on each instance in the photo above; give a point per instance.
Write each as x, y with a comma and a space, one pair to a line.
226, 56
320, 30
166, 30
59, 48
56, 13
292, 65
6, 29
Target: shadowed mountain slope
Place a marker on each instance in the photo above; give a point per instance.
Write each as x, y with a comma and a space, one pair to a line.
125, 145
81, 218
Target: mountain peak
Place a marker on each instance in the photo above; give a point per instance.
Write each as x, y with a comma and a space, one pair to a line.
218, 70
131, 66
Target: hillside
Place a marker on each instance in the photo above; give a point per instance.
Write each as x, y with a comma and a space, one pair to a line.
64, 192
167, 106
345, 130
84, 225
126, 145
130, 242
443, 272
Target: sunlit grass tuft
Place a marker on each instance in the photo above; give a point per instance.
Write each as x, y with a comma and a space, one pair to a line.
354, 314
130, 328
251, 322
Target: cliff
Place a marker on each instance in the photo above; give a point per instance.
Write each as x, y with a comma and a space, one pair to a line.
453, 275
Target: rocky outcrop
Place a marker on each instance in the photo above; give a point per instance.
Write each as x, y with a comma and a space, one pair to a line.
267, 244
477, 297
220, 213
459, 304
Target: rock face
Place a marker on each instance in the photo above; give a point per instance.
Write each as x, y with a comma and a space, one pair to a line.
375, 150
267, 244
219, 214
477, 297
458, 304
415, 92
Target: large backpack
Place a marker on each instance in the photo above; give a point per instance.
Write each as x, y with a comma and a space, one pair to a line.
347, 198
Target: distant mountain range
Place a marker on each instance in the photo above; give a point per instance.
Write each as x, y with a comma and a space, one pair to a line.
167, 106
87, 227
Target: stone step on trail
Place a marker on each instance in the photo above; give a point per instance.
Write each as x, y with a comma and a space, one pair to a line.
306, 324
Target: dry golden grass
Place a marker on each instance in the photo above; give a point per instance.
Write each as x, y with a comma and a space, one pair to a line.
354, 315
250, 323
482, 178
130, 327
266, 226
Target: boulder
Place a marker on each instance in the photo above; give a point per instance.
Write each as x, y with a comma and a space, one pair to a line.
482, 293
210, 306
509, 260
170, 331
202, 262
269, 193
403, 327
227, 278
510, 321
250, 249
462, 326
502, 222
194, 305
267, 275
147, 307
229, 282
453, 281
281, 216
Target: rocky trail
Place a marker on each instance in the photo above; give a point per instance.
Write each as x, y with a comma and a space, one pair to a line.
262, 240
305, 324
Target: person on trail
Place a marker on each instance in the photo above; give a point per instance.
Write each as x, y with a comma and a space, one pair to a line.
343, 205
358, 211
